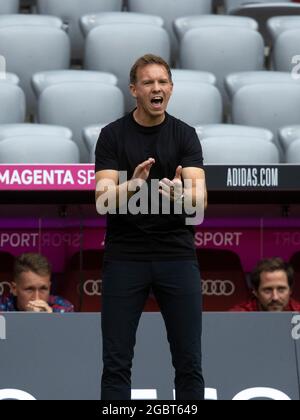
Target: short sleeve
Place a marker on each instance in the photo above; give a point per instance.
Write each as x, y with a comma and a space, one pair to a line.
106, 152
192, 156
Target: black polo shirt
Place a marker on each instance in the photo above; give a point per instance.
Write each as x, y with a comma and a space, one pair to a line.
122, 146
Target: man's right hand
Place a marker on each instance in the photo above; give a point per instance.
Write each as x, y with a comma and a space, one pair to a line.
123, 192
142, 171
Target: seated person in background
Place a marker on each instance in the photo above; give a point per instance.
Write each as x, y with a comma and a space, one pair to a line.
31, 288
272, 282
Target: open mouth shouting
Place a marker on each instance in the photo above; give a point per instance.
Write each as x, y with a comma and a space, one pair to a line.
157, 102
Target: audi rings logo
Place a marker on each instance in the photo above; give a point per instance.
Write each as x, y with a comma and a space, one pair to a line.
218, 288
92, 287
5, 287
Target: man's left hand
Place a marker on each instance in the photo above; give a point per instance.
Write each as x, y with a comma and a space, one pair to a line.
172, 190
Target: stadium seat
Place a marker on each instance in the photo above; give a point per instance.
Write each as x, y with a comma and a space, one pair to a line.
9, 6
267, 105
221, 51
181, 75
6, 272
9, 78
70, 11
184, 24
90, 136
12, 103
170, 10
15, 130
235, 81
266, 10
293, 153
295, 262
32, 44
235, 4
30, 20
89, 22
287, 135
223, 279
205, 99
114, 48
286, 52
236, 150
37, 150
151, 304
79, 104
82, 283
277, 25
40, 81
231, 130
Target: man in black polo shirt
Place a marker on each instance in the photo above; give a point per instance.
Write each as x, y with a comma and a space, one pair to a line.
150, 249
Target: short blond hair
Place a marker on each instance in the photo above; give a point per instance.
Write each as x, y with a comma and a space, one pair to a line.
35, 263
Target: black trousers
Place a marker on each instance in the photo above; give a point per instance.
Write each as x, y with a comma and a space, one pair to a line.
177, 288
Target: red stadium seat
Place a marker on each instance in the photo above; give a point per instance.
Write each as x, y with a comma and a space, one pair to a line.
151, 304
295, 262
223, 277
82, 282
6, 272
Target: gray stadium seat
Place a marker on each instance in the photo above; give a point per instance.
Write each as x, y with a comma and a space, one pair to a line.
91, 135
287, 135
236, 81
79, 104
293, 153
70, 11
170, 10
196, 103
12, 103
9, 6
41, 81
184, 24
114, 48
235, 151
222, 50
89, 22
38, 150
9, 78
15, 130
231, 130
286, 50
30, 48
234, 4
30, 20
262, 12
277, 25
181, 75
269, 105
